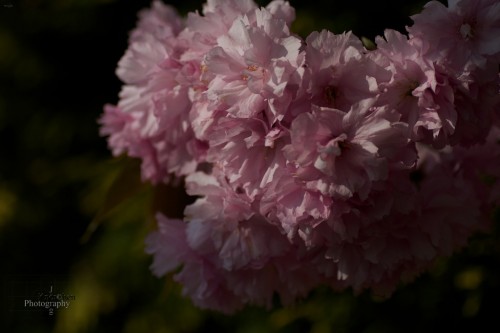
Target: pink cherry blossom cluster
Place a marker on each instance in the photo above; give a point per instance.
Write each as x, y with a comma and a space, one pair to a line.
316, 161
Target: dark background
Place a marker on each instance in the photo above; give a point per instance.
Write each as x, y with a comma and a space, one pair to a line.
57, 63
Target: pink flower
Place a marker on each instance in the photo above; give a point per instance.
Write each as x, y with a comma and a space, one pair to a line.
282, 10
201, 280
479, 165
338, 73
229, 255
246, 151
340, 153
201, 32
476, 100
419, 91
294, 208
167, 258
154, 107
314, 162
449, 211
160, 20
464, 34
252, 65
376, 251
114, 123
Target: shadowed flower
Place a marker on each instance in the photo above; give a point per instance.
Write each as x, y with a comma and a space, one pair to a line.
464, 34
339, 153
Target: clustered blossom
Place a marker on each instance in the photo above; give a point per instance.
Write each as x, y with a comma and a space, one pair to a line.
314, 162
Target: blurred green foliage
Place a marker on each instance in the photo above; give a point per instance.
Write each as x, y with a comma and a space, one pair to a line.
67, 207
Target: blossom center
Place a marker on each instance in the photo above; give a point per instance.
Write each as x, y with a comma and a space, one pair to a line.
252, 71
330, 94
411, 87
466, 31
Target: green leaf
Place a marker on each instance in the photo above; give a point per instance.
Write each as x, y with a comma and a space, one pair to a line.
126, 185
368, 44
